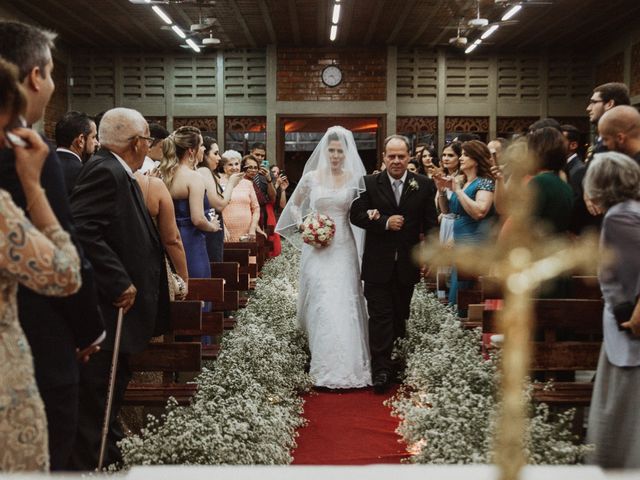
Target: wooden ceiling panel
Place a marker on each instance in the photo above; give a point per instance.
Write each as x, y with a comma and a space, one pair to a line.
118, 25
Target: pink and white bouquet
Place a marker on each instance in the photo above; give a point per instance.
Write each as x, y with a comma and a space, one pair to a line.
318, 230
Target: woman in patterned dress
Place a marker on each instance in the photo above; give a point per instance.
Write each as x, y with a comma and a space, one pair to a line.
36, 253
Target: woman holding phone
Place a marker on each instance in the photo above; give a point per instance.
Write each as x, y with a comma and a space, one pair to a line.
242, 214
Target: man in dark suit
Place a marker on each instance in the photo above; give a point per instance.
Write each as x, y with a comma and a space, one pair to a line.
604, 98
77, 140
121, 240
396, 208
58, 330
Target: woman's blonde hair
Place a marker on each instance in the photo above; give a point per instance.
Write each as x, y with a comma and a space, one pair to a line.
174, 148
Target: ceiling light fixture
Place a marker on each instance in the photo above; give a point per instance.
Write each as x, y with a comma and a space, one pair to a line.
162, 15
334, 32
489, 32
178, 31
511, 12
336, 13
192, 44
471, 48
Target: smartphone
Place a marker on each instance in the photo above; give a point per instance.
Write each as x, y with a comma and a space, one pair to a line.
264, 163
622, 313
13, 140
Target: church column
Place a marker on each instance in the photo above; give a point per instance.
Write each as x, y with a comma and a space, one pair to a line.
220, 100
441, 95
272, 86
493, 97
392, 87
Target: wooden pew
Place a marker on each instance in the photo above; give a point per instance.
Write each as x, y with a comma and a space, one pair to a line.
170, 358
234, 281
241, 255
568, 338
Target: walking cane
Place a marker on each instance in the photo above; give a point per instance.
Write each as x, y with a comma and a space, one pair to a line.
112, 382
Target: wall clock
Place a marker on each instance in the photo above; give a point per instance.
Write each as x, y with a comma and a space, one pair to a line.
331, 76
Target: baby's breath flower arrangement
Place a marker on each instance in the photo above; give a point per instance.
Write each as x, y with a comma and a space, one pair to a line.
449, 402
248, 407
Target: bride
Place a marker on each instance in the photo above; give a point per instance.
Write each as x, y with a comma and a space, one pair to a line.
331, 308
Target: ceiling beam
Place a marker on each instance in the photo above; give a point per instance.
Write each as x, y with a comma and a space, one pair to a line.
295, 24
240, 19
373, 24
426, 23
55, 23
266, 15
543, 33
612, 17
157, 42
510, 37
346, 19
322, 9
408, 6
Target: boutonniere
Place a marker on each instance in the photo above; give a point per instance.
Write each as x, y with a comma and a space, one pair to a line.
413, 185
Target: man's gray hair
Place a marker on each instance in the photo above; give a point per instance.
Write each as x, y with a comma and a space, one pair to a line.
26, 46
612, 177
397, 137
119, 125
232, 155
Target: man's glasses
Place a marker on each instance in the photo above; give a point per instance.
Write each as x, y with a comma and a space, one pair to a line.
149, 140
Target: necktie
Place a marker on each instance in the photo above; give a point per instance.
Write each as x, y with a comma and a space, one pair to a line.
396, 190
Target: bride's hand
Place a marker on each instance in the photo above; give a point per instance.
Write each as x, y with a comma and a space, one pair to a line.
373, 214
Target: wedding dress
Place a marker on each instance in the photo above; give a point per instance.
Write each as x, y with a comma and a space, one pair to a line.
331, 308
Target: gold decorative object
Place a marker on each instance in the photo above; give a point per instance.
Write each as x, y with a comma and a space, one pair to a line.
520, 261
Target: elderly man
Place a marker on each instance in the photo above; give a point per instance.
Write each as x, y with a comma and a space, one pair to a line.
619, 128
122, 242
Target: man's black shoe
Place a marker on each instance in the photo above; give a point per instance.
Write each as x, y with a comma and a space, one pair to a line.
381, 382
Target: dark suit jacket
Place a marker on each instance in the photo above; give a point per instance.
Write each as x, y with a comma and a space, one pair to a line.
71, 167
54, 327
124, 246
417, 205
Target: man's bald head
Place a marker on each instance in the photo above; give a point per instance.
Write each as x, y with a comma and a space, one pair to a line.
620, 129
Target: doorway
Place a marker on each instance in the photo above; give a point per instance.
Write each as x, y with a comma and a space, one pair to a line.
299, 135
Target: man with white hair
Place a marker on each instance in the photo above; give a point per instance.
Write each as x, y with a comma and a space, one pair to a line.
124, 246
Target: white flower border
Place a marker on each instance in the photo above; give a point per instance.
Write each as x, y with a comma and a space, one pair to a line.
449, 401
248, 407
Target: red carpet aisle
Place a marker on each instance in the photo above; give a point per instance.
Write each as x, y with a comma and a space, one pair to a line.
348, 428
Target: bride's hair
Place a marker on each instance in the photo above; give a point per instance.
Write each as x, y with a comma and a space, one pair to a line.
173, 149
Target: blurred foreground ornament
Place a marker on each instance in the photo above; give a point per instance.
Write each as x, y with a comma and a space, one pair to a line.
523, 258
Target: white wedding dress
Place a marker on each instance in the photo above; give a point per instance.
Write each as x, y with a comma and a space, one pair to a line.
331, 305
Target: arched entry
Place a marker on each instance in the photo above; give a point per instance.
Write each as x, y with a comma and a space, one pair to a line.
298, 135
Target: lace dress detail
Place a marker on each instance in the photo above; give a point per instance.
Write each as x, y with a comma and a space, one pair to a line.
331, 305
47, 263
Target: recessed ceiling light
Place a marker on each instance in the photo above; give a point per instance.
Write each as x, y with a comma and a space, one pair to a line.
334, 32
336, 13
511, 12
178, 31
162, 15
192, 44
489, 32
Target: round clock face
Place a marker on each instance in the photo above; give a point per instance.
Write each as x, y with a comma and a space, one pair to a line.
331, 76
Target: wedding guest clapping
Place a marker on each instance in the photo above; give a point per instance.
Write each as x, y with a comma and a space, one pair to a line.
218, 196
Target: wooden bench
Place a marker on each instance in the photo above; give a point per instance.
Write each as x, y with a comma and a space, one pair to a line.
234, 281
170, 358
241, 256
568, 338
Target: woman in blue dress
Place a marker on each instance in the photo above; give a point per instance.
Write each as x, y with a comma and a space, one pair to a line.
471, 200
181, 151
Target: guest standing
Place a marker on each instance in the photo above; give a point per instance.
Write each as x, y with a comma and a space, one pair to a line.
471, 200
243, 212
123, 244
44, 260
612, 184
218, 196
194, 216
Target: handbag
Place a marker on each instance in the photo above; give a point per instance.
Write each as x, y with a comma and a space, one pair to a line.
177, 286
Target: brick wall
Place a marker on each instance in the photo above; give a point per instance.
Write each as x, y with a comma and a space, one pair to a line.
58, 104
364, 74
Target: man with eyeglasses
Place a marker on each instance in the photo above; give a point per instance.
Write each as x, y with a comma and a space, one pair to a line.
152, 160
604, 98
123, 244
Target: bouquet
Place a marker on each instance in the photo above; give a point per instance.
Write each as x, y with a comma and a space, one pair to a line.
318, 230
